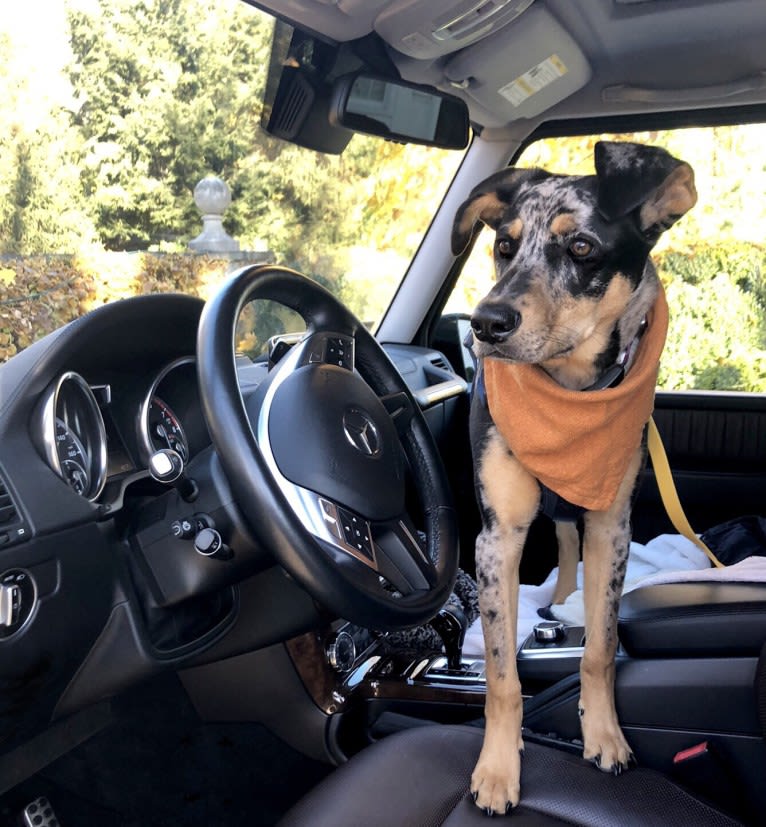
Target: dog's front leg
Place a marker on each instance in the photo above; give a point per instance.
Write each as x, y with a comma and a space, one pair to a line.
606, 542
568, 540
510, 499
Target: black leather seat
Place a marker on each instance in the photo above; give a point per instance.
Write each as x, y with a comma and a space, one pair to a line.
419, 778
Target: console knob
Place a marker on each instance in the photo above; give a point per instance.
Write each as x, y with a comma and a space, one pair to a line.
208, 543
18, 597
183, 529
167, 466
341, 652
549, 631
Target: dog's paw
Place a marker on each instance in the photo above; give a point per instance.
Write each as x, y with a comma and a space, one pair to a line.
606, 747
495, 781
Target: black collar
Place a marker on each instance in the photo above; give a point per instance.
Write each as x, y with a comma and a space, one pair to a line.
613, 375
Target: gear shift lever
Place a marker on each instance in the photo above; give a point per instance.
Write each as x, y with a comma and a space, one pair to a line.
451, 624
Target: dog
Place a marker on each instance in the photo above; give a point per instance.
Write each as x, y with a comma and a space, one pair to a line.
576, 315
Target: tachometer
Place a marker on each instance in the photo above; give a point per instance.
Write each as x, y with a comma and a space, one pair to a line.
170, 415
165, 429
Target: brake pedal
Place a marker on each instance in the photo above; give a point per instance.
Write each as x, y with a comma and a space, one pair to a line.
39, 813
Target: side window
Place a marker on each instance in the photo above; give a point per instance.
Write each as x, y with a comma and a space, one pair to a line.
712, 262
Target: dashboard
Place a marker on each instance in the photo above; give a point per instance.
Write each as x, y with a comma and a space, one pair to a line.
102, 580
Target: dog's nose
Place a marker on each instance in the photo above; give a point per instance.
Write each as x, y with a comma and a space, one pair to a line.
494, 323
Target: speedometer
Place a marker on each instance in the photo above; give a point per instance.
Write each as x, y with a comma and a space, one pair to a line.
72, 435
165, 429
73, 460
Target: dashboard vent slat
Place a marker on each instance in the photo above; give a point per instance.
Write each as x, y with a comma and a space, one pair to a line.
8, 512
13, 528
300, 96
440, 362
8, 515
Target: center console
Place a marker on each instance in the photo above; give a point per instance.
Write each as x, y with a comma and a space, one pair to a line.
369, 684
685, 676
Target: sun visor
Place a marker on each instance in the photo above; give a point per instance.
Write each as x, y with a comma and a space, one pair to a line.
528, 67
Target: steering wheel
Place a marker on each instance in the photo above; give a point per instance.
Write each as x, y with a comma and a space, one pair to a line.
320, 456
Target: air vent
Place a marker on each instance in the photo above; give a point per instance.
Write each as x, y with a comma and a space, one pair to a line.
292, 113
440, 362
12, 526
8, 513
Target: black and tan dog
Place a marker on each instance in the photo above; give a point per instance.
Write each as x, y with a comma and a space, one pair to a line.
568, 342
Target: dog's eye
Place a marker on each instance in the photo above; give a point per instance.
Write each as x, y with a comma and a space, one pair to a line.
580, 248
505, 247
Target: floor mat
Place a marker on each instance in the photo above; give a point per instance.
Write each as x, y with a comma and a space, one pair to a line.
159, 765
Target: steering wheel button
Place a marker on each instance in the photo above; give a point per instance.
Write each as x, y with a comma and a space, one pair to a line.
356, 533
340, 352
330, 515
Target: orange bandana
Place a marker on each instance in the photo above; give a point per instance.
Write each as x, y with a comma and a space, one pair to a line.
578, 443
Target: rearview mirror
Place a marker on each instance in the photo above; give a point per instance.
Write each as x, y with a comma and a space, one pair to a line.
399, 111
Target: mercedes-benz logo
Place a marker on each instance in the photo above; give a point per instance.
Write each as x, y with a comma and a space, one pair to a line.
361, 432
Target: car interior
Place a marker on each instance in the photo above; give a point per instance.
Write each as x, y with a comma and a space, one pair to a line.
261, 617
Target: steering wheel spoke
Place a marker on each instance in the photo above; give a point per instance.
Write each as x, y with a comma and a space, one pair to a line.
400, 408
402, 556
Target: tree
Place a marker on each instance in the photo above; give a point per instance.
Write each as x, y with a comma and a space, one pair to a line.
42, 209
166, 93
170, 91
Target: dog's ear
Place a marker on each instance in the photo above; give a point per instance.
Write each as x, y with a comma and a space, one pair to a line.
644, 178
487, 203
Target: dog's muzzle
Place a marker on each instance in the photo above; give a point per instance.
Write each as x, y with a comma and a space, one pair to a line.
493, 322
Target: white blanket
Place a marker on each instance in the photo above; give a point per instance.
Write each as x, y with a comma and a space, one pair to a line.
665, 559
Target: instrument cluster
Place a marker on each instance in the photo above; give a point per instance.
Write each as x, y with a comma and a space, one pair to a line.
91, 433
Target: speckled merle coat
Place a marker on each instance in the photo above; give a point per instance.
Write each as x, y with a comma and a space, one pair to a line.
573, 284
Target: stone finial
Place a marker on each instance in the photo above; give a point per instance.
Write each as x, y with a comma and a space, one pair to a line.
212, 196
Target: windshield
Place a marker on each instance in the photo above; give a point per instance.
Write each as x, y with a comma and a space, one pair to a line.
115, 111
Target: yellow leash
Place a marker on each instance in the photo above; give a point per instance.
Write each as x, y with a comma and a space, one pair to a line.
669, 494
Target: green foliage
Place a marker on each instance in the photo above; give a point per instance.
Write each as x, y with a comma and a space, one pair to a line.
717, 327
42, 208
166, 93
39, 294
169, 91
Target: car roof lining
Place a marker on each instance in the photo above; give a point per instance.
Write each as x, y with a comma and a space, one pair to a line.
655, 44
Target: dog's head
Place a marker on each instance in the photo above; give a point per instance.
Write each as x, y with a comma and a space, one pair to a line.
571, 251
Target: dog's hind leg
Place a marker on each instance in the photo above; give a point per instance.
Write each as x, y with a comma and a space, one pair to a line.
569, 556
606, 542
510, 499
